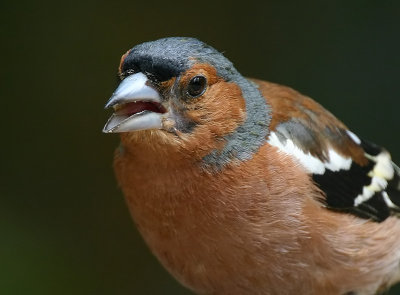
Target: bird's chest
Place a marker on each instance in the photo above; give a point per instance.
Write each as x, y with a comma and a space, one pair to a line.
194, 225
172, 209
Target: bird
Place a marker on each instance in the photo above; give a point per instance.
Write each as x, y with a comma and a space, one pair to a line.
243, 186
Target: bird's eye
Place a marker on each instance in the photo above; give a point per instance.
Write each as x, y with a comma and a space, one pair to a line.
197, 86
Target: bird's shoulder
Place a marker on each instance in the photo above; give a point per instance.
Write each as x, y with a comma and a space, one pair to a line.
356, 176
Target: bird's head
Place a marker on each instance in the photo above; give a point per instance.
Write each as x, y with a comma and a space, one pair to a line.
184, 93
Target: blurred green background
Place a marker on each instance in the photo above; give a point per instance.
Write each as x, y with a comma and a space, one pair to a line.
64, 227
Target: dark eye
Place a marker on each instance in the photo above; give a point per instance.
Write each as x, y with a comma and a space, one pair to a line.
197, 86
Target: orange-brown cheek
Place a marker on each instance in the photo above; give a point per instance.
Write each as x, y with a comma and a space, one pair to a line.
218, 113
222, 109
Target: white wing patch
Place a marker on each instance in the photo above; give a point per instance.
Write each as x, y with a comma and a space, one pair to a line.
311, 163
383, 172
337, 162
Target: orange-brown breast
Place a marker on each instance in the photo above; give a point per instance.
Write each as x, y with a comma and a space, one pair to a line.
249, 229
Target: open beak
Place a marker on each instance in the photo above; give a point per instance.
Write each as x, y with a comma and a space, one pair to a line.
137, 106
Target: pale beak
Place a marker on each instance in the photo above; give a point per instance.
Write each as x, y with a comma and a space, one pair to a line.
137, 106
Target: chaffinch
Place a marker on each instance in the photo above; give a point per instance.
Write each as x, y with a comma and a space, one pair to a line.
241, 186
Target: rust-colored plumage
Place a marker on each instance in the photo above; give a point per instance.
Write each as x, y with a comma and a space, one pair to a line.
249, 224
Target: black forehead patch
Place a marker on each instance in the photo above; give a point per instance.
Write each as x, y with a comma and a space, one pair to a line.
161, 69
169, 57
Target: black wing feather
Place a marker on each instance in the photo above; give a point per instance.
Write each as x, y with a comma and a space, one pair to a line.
369, 188
342, 188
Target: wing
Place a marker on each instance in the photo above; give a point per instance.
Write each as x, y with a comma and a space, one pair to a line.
356, 176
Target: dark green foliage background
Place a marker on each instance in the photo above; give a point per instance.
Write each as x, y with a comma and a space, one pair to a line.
64, 227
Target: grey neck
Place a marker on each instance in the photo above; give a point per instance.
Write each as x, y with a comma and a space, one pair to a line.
248, 137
